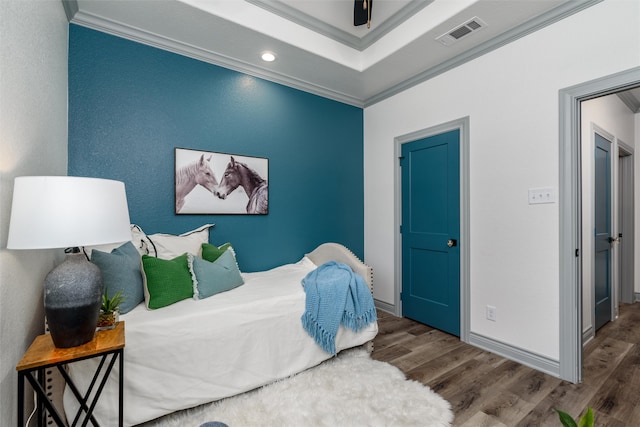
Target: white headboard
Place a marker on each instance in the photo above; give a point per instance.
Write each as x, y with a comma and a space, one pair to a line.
339, 253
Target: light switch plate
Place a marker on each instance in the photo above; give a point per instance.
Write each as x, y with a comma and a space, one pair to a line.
542, 195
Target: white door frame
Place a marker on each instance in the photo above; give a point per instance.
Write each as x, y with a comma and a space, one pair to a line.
626, 219
570, 363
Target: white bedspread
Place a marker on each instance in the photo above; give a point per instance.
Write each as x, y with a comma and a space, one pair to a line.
194, 352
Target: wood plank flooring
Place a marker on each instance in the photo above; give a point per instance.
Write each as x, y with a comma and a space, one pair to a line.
489, 390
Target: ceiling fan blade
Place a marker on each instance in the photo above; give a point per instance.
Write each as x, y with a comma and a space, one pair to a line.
362, 12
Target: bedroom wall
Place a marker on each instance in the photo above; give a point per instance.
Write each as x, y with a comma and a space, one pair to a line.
511, 97
33, 141
636, 165
130, 105
612, 116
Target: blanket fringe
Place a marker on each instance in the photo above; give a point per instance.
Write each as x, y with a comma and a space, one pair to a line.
324, 339
357, 323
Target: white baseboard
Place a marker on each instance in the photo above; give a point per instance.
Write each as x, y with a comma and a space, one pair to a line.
588, 335
527, 358
385, 306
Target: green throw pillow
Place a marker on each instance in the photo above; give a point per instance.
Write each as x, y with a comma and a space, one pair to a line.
166, 281
121, 271
215, 277
211, 252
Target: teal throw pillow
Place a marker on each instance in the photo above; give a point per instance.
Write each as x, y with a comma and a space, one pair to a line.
215, 277
121, 271
166, 281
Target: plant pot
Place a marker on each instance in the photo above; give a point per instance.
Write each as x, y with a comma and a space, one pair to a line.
107, 320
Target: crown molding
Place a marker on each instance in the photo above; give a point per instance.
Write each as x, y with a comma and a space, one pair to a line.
531, 26
171, 45
70, 8
630, 101
185, 49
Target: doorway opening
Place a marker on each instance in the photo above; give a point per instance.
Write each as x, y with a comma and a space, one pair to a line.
626, 221
572, 253
607, 267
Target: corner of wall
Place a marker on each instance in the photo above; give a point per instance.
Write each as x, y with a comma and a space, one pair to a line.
33, 137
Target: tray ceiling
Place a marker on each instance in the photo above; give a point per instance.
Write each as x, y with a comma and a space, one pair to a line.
317, 47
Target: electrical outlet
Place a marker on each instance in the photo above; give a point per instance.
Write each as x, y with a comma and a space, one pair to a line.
491, 313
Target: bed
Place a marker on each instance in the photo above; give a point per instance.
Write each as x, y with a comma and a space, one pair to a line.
198, 351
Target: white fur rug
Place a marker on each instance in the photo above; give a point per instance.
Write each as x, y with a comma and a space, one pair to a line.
348, 390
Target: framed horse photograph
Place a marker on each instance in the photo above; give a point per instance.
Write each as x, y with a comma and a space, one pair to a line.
208, 182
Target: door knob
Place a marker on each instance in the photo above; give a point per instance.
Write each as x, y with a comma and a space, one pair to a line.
452, 242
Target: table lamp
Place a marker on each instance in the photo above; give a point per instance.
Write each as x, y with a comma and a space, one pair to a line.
68, 212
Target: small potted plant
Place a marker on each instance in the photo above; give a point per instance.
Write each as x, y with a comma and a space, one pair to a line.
587, 419
109, 311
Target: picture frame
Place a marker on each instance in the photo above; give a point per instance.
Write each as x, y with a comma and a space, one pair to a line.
209, 182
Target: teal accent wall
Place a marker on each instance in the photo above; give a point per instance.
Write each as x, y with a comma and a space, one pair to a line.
131, 105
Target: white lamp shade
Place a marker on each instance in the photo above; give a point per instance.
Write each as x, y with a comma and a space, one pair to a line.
65, 211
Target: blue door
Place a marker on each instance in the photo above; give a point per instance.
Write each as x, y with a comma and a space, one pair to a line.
602, 228
430, 231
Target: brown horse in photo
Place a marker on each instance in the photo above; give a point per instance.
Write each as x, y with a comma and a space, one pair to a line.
197, 173
238, 174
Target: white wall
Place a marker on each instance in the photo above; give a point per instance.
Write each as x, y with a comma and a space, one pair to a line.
511, 97
611, 116
33, 141
636, 207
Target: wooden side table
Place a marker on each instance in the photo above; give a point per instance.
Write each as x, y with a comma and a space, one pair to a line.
43, 354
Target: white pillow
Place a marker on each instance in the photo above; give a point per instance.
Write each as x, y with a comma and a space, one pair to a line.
141, 241
170, 246
138, 238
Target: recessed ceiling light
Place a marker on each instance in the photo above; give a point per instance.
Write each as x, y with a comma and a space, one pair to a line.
268, 56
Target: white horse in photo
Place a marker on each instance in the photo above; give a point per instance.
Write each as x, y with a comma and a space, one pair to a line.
197, 173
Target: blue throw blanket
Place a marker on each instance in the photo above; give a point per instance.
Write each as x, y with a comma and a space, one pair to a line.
335, 295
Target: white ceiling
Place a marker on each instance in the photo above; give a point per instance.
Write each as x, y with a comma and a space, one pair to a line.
317, 47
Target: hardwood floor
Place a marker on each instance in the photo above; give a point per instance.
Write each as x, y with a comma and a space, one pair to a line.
489, 390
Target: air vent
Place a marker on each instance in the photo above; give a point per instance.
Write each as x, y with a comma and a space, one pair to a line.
461, 31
